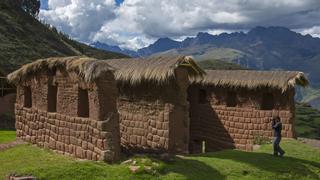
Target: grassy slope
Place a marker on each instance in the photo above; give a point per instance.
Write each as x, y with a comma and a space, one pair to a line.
7, 136
307, 123
301, 162
23, 39
218, 64
225, 54
311, 94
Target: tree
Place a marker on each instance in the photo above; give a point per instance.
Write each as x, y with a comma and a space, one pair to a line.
32, 7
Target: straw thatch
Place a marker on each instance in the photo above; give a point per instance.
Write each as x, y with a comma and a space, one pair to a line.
253, 79
87, 68
159, 69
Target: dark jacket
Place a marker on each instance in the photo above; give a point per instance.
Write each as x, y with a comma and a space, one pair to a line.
277, 127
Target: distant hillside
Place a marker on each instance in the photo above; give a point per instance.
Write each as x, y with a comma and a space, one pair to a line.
116, 49
24, 39
162, 44
218, 64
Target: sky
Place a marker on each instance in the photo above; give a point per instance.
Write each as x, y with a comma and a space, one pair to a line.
134, 24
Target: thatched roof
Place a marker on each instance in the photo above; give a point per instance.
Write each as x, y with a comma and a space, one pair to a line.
87, 68
159, 69
253, 79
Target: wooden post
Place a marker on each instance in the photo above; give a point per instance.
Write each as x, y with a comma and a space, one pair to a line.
2, 86
5, 86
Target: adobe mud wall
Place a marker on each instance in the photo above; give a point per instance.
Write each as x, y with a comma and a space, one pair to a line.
154, 118
223, 127
95, 137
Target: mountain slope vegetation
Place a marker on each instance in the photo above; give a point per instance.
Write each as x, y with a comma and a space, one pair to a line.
215, 64
24, 39
307, 121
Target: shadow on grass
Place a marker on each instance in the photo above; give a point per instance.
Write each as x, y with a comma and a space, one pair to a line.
7, 136
269, 162
191, 169
177, 167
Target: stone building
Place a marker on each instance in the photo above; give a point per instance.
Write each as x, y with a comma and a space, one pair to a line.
230, 109
91, 108
68, 105
153, 106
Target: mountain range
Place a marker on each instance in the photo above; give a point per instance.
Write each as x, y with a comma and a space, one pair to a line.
261, 48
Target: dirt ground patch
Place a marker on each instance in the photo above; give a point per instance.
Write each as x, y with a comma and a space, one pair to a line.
10, 144
312, 142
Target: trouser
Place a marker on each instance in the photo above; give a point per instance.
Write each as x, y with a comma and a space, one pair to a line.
276, 146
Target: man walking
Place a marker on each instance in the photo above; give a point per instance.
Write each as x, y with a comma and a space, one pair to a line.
277, 127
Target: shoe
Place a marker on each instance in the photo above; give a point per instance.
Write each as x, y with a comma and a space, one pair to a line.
281, 154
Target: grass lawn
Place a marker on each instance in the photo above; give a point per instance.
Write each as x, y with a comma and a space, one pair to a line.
301, 162
7, 136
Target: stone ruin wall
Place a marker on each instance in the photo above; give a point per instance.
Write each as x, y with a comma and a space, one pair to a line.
154, 118
95, 137
144, 125
223, 127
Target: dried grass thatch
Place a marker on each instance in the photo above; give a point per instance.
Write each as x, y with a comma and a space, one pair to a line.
87, 68
159, 69
253, 79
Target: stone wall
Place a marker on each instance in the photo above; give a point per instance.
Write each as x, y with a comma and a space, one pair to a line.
144, 126
222, 127
80, 137
153, 117
95, 137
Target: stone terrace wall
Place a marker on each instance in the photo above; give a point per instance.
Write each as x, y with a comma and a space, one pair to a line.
94, 138
224, 127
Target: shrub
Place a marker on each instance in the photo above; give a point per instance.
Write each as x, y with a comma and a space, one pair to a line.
260, 140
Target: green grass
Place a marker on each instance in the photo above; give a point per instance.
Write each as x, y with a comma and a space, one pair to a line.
301, 162
7, 136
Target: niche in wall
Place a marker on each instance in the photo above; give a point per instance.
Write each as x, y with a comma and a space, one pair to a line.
83, 103
232, 99
202, 96
267, 102
52, 98
27, 97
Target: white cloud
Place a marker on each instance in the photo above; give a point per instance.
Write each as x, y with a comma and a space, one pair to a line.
220, 31
136, 23
313, 31
58, 3
79, 18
